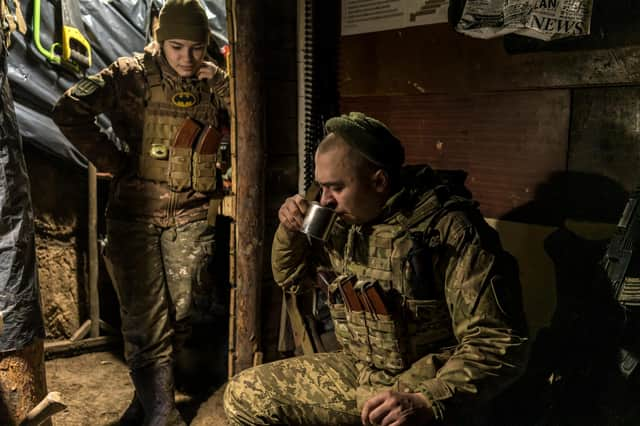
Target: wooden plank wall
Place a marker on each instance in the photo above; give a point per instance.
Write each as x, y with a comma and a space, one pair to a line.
513, 121
548, 132
500, 139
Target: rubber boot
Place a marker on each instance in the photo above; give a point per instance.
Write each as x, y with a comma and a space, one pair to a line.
154, 385
134, 414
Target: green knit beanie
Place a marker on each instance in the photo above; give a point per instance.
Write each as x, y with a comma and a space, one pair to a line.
369, 137
183, 19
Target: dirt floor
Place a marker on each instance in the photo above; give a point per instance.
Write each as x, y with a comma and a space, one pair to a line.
96, 389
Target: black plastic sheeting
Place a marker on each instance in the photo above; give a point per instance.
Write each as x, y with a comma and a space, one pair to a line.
20, 315
114, 28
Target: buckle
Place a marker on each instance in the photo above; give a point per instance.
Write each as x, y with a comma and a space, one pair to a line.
159, 151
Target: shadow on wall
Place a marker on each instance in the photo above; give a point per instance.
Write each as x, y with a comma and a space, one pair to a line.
573, 377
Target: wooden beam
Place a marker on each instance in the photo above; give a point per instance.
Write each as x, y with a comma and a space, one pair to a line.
437, 59
81, 332
67, 347
94, 300
246, 18
46, 408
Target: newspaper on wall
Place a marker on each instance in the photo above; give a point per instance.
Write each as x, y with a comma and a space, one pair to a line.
542, 19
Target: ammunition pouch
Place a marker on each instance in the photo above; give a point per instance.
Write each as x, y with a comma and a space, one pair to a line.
188, 163
204, 172
179, 172
388, 338
204, 160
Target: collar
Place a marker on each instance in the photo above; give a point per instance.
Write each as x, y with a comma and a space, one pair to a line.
417, 185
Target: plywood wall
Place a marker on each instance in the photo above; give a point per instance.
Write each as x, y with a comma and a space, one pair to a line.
548, 133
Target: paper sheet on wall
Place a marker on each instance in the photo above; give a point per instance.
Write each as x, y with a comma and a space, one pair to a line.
365, 16
421, 12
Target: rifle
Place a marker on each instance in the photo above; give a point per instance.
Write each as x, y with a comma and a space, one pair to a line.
621, 264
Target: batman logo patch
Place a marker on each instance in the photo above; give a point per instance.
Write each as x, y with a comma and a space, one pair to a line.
184, 99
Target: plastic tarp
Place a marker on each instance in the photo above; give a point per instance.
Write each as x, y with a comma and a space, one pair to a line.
20, 316
114, 28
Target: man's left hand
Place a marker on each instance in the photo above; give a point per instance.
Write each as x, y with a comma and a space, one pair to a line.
391, 408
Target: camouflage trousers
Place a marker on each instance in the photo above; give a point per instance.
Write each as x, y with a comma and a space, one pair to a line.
318, 389
155, 272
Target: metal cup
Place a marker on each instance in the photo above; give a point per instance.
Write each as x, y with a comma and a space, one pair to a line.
318, 221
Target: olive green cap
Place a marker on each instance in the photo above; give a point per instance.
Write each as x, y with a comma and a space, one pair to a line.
370, 137
182, 19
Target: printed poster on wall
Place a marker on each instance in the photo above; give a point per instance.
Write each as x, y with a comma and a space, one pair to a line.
365, 16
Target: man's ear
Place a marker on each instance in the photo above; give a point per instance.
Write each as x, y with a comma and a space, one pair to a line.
380, 180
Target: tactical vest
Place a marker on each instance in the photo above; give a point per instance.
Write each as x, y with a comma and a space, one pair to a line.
415, 325
167, 108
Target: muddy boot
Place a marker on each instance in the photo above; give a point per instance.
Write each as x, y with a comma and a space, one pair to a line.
134, 414
154, 385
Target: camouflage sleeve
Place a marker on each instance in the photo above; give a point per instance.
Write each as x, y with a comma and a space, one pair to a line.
75, 114
294, 260
483, 293
288, 254
219, 83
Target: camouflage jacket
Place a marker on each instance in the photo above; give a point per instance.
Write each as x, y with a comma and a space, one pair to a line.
471, 276
120, 91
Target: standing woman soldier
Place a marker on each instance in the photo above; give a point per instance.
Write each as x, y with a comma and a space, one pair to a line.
166, 106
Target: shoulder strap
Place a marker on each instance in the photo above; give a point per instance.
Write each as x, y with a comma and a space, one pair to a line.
151, 69
153, 77
437, 203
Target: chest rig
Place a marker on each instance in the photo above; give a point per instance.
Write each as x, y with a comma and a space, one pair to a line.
179, 136
385, 310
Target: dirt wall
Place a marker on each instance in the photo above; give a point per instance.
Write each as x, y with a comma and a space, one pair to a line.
58, 192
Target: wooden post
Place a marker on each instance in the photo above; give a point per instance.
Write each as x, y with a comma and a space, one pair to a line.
94, 300
246, 33
22, 382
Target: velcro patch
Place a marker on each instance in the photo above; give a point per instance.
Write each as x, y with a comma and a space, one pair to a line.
87, 86
184, 99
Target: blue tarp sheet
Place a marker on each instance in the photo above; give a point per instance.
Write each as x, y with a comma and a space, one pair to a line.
114, 28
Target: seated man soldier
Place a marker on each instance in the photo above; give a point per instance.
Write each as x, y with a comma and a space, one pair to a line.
426, 303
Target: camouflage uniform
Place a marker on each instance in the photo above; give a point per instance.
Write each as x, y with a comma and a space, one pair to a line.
159, 239
456, 332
